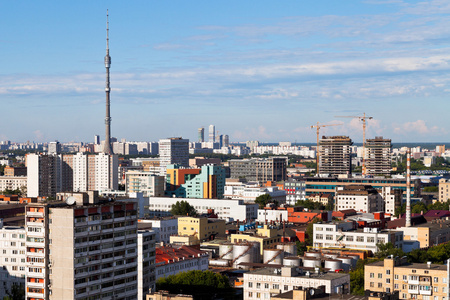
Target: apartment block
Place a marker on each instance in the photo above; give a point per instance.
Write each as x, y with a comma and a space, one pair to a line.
362, 198
146, 260
173, 151
444, 186
12, 182
15, 171
12, 257
259, 169
83, 248
295, 190
378, 156
147, 183
335, 155
412, 281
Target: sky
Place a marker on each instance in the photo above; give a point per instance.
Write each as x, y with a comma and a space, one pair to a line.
257, 70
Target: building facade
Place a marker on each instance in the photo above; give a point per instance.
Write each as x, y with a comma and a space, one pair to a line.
335, 155
144, 182
378, 156
79, 251
259, 169
412, 281
171, 260
362, 198
173, 151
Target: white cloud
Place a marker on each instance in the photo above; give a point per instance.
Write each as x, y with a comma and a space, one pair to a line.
419, 127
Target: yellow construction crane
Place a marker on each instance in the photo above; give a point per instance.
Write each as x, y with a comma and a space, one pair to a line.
318, 126
362, 118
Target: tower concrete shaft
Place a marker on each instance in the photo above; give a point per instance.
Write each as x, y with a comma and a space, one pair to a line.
107, 146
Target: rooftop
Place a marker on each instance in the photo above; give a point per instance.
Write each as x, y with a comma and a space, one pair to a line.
413, 266
271, 271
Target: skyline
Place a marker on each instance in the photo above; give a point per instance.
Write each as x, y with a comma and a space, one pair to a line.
256, 71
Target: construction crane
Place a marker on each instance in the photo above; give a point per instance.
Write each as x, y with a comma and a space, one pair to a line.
362, 118
318, 126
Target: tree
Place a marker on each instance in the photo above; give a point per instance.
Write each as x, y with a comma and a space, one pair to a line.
17, 292
384, 250
302, 247
200, 284
183, 208
431, 189
262, 200
310, 232
418, 208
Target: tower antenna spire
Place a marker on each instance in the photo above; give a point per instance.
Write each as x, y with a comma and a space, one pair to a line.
107, 146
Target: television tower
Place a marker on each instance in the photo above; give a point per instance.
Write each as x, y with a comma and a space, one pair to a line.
107, 146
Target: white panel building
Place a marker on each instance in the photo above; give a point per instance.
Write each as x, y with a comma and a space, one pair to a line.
173, 151
163, 227
12, 257
226, 209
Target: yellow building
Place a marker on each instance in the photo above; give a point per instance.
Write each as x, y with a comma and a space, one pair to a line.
413, 281
265, 236
194, 230
444, 186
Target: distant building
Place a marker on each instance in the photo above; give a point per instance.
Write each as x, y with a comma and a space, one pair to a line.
15, 171
198, 162
54, 148
173, 151
193, 230
335, 155
444, 193
145, 182
212, 134
295, 190
12, 182
201, 134
259, 169
164, 228
378, 156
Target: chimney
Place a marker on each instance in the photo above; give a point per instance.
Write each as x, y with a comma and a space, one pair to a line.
408, 188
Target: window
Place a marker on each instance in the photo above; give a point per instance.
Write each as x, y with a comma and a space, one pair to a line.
329, 237
258, 285
380, 275
396, 286
388, 272
388, 280
250, 284
380, 285
435, 279
396, 277
371, 284
372, 275
360, 239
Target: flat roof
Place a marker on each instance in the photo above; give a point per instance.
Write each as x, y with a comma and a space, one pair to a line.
323, 276
413, 266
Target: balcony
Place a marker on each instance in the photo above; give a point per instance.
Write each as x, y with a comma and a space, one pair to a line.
35, 295
413, 292
36, 284
35, 275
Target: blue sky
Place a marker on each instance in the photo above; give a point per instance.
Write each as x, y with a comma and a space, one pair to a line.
258, 70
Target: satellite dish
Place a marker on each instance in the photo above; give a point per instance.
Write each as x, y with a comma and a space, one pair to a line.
71, 200
311, 291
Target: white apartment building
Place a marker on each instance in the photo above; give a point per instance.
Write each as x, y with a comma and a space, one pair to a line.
226, 209
262, 283
249, 192
164, 227
345, 235
144, 182
269, 215
391, 197
146, 260
12, 257
173, 151
362, 198
84, 250
12, 182
285, 150
97, 172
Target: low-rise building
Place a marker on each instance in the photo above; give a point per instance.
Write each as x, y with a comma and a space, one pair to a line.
321, 198
295, 190
300, 215
12, 182
226, 209
444, 193
412, 281
171, 261
272, 215
164, 227
346, 235
265, 236
191, 230
263, 283
362, 198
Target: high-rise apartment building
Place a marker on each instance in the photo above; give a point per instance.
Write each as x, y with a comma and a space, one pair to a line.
335, 155
95, 172
81, 249
54, 148
173, 151
96, 139
201, 134
226, 141
212, 133
146, 259
48, 174
378, 156
259, 169
147, 183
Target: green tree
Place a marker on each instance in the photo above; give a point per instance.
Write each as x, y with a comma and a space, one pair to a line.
183, 208
302, 247
357, 276
431, 189
418, 208
310, 204
200, 284
262, 200
310, 232
384, 250
17, 292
